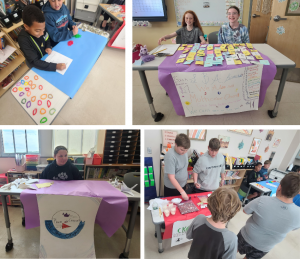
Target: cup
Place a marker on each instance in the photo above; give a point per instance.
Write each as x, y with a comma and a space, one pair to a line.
167, 213
173, 210
170, 205
165, 207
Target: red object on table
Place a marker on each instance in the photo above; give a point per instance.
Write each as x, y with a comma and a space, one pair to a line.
70, 43
169, 221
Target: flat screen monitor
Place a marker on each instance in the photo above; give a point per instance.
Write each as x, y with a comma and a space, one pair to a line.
149, 10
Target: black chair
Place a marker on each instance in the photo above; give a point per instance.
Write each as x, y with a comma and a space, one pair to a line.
213, 37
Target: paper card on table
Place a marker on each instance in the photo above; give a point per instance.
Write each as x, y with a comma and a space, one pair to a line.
209, 59
249, 45
217, 45
237, 62
188, 62
264, 62
190, 46
192, 54
201, 54
43, 185
223, 46
232, 52
210, 51
57, 58
202, 49
237, 50
219, 58
193, 51
210, 47
217, 51
181, 48
237, 90
187, 48
217, 62
210, 55
230, 61
182, 56
255, 53
242, 44
245, 61
258, 57
186, 51
180, 60
246, 53
199, 63
183, 45
253, 50
241, 55
234, 56
208, 64
199, 58
217, 48
204, 45
250, 57
190, 58
235, 45
218, 55
225, 53
255, 62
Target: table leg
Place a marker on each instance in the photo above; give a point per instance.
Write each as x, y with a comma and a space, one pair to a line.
129, 232
246, 196
156, 116
159, 240
273, 113
118, 24
23, 215
9, 244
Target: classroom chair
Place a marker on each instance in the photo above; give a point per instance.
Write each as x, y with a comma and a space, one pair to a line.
213, 37
130, 179
178, 39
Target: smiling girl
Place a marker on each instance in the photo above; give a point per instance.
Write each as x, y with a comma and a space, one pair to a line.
61, 168
191, 31
233, 32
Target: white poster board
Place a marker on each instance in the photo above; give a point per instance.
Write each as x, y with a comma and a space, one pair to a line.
169, 137
40, 99
179, 232
120, 39
67, 226
219, 92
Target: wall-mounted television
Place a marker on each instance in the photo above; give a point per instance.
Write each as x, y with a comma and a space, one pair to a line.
149, 10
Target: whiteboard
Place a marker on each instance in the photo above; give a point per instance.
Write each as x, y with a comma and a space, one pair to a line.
210, 13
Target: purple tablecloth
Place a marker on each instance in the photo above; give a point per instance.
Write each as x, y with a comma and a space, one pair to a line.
111, 213
169, 66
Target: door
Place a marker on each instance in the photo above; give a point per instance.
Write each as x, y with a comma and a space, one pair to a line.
259, 22
284, 35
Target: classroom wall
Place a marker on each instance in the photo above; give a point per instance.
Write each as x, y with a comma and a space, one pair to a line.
149, 35
153, 139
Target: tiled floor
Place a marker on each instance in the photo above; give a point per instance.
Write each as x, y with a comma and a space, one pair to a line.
288, 248
27, 241
288, 110
99, 101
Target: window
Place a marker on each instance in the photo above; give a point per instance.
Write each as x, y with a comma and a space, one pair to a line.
77, 142
20, 141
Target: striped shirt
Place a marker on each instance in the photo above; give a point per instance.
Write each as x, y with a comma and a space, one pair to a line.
227, 35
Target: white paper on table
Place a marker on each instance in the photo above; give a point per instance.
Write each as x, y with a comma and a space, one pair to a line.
7, 52
245, 61
250, 57
120, 39
255, 54
159, 202
169, 49
182, 56
255, 62
234, 56
230, 61
242, 56
57, 58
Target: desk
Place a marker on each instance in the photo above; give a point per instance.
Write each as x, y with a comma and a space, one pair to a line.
135, 199
279, 60
264, 190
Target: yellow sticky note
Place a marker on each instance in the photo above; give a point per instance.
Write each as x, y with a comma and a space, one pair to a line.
190, 46
180, 60
218, 54
183, 45
217, 51
210, 47
249, 45
242, 44
235, 45
258, 57
237, 62
192, 54
181, 48
190, 58
246, 53
186, 51
253, 50
42, 185
199, 63
232, 52
201, 55
223, 46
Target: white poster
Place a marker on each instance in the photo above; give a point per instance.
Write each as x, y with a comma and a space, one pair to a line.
40, 99
67, 226
219, 92
179, 232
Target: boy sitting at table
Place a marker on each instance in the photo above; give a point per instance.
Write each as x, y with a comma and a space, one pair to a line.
264, 170
211, 238
58, 21
34, 40
253, 177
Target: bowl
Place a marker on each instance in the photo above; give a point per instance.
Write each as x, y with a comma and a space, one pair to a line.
176, 200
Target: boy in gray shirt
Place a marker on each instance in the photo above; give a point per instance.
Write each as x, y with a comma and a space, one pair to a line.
208, 168
211, 238
176, 164
272, 218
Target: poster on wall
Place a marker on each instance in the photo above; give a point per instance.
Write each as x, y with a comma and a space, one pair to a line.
276, 142
224, 141
247, 132
270, 135
197, 134
169, 137
292, 8
254, 146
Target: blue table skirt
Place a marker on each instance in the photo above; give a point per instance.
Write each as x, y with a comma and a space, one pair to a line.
85, 51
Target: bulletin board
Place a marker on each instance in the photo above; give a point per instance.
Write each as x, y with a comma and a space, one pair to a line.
210, 13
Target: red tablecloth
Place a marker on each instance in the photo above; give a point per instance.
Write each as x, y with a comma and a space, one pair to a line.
169, 221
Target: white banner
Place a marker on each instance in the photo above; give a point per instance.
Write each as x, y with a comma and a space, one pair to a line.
219, 92
179, 232
67, 226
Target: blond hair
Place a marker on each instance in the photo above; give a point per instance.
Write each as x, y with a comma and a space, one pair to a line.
267, 162
223, 204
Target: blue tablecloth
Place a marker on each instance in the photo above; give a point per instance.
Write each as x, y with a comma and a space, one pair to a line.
273, 189
85, 51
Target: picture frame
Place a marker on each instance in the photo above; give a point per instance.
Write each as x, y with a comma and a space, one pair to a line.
272, 155
197, 134
276, 142
246, 132
292, 8
254, 146
168, 137
270, 135
224, 141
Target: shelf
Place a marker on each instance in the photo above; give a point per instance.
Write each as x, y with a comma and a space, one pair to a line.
119, 165
10, 68
190, 181
16, 25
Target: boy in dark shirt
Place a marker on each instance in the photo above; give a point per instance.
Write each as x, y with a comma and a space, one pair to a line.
253, 177
211, 238
34, 41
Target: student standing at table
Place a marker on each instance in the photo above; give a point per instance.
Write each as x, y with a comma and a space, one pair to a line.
208, 168
233, 32
191, 31
272, 218
176, 164
61, 168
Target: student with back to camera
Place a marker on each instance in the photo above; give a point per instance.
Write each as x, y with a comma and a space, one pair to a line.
191, 31
34, 41
61, 168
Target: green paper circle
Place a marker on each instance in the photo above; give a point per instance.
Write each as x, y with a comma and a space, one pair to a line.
43, 120
23, 101
54, 110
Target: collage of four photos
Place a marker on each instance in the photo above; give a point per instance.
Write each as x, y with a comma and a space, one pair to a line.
150, 129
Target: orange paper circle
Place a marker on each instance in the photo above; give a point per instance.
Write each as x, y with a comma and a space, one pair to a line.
36, 77
28, 93
42, 111
45, 96
33, 87
26, 77
33, 98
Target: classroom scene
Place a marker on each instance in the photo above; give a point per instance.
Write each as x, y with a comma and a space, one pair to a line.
226, 62
70, 193
56, 61
228, 193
